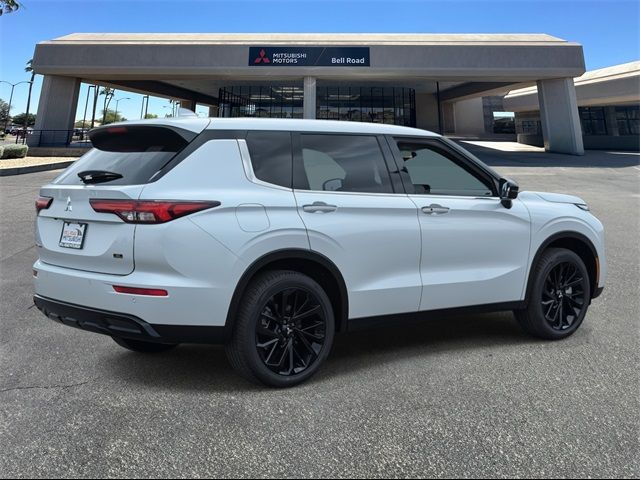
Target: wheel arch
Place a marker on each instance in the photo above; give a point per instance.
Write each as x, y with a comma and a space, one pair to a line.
313, 264
577, 243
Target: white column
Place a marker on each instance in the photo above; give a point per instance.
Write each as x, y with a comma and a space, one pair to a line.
188, 104
559, 116
309, 101
56, 109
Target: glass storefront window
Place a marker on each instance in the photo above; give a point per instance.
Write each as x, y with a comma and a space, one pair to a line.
260, 101
354, 104
592, 120
628, 118
529, 127
367, 104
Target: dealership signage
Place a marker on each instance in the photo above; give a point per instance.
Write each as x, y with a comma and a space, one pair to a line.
309, 56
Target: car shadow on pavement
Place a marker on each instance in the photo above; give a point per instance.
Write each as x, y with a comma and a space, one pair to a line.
355, 351
198, 368
204, 368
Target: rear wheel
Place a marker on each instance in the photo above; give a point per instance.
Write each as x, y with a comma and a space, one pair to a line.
284, 329
559, 296
143, 347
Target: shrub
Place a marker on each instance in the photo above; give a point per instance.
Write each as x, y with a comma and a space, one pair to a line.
14, 151
1, 150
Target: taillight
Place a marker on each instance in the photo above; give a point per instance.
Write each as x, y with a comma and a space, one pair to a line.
117, 129
149, 211
151, 292
42, 203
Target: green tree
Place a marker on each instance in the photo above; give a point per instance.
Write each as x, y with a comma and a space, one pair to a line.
21, 118
8, 6
150, 116
109, 116
4, 112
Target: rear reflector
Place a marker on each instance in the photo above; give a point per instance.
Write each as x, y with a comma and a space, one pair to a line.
151, 292
42, 203
149, 211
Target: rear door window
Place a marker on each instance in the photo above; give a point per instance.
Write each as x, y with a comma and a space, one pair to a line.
136, 152
341, 163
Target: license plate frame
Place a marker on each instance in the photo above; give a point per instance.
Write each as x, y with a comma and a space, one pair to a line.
72, 241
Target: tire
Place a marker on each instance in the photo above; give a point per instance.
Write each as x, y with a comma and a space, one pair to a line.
143, 347
559, 296
278, 350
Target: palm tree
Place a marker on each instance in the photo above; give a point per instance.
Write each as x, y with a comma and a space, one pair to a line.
29, 69
108, 95
8, 6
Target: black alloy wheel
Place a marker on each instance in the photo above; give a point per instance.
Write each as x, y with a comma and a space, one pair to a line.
291, 331
283, 330
558, 295
563, 296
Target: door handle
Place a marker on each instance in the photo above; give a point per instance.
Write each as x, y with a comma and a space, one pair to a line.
435, 209
319, 207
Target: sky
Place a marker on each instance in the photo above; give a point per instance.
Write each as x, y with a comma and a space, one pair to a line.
607, 29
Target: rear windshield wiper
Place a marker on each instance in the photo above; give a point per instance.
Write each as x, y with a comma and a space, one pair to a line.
98, 176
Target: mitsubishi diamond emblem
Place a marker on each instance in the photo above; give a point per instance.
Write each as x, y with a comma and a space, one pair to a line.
68, 208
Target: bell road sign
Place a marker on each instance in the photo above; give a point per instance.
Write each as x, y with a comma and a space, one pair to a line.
309, 56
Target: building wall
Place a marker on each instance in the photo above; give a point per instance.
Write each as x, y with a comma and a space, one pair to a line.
603, 127
427, 112
469, 117
448, 118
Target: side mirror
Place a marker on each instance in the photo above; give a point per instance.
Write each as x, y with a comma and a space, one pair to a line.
508, 191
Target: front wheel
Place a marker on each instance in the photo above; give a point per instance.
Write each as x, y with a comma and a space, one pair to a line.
283, 331
559, 296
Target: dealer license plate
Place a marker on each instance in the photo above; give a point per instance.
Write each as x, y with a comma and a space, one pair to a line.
73, 235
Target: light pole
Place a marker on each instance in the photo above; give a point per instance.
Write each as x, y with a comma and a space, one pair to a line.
144, 107
86, 104
172, 106
13, 85
115, 117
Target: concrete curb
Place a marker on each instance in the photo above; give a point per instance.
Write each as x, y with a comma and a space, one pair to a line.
5, 172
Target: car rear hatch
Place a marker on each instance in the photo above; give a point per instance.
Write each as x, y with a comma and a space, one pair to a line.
69, 231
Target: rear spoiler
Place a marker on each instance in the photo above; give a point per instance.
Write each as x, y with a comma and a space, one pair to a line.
140, 138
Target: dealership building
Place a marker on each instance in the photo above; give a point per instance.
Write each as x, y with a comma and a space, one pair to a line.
427, 81
608, 107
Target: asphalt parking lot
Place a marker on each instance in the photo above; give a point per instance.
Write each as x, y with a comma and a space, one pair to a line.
466, 397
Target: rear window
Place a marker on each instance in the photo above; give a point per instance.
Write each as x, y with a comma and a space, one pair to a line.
271, 156
137, 153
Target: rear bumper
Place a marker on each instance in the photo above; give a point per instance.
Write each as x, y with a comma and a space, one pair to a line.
190, 301
126, 326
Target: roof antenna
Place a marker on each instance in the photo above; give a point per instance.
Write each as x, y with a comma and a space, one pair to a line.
185, 112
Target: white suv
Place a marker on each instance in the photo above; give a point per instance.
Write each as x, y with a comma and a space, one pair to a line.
271, 235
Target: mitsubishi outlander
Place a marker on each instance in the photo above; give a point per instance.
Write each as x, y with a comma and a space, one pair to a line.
271, 236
